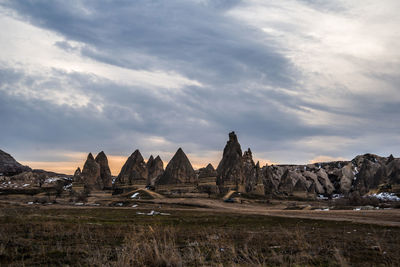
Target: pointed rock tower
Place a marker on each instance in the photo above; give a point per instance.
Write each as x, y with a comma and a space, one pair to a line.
155, 168
178, 171
105, 172
91, 174
77, 175
134, 171
230, 169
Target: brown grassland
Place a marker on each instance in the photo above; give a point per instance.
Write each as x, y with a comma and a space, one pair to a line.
103, 236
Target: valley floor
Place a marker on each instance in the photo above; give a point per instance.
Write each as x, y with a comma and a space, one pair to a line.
196, 232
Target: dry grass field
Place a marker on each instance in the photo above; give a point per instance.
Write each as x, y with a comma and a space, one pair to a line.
59, 235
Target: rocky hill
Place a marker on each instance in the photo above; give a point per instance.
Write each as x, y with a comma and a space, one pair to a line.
9, 166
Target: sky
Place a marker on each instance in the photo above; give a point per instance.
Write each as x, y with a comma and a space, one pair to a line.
299, 81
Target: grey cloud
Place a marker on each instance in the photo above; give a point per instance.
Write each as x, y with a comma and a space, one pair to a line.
241, 71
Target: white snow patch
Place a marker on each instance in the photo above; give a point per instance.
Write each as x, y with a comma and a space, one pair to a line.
135, 195
322, 197
79, 204
25, 185
134, 206
337, 196
30, 203
386, 196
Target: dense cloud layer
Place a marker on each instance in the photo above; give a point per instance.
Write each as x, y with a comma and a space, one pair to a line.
297, 80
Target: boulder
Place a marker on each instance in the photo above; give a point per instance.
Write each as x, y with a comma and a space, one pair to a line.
9, 166
105, 172
178, 171
134, 170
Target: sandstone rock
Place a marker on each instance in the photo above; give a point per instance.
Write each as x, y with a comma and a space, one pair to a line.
134, 170
9, 166
178, 171
77, 175
325, 182
346, 178
318, 188
208, 171
105, 172
230, 168
91, 174
250, 171
155, 169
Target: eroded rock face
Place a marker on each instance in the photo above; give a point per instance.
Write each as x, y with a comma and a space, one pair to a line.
208, 171
91, 174
230, 168
105, 172
155, 169
178, 171
9, 166
250, 171
134, 170
77, 175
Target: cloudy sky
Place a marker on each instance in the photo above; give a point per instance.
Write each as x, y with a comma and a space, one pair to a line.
299, 81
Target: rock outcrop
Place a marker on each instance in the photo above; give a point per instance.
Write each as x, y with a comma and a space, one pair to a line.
9, 166
91, 174
230, 168
155, 169
77, 175
105, 173
178, 171
250, 172
134, 170
208, 171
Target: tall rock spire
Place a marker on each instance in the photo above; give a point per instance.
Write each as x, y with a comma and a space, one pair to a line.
105, 172
91, 174
155, 168
230, 169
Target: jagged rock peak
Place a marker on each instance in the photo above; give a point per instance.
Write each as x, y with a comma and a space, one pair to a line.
150, 160
9, 166
134, 170
179, 170
390, 158
77, 171
105, 172
90, 156
230, 168
210, 167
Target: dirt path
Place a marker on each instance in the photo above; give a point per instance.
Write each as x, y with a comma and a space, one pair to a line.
380, 217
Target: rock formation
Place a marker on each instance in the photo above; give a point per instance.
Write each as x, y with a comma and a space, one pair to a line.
134, 170
91, 174
208, 171
9, 166
230, 168
77, 175
105, 172
178, 171
250, 172
155, 168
